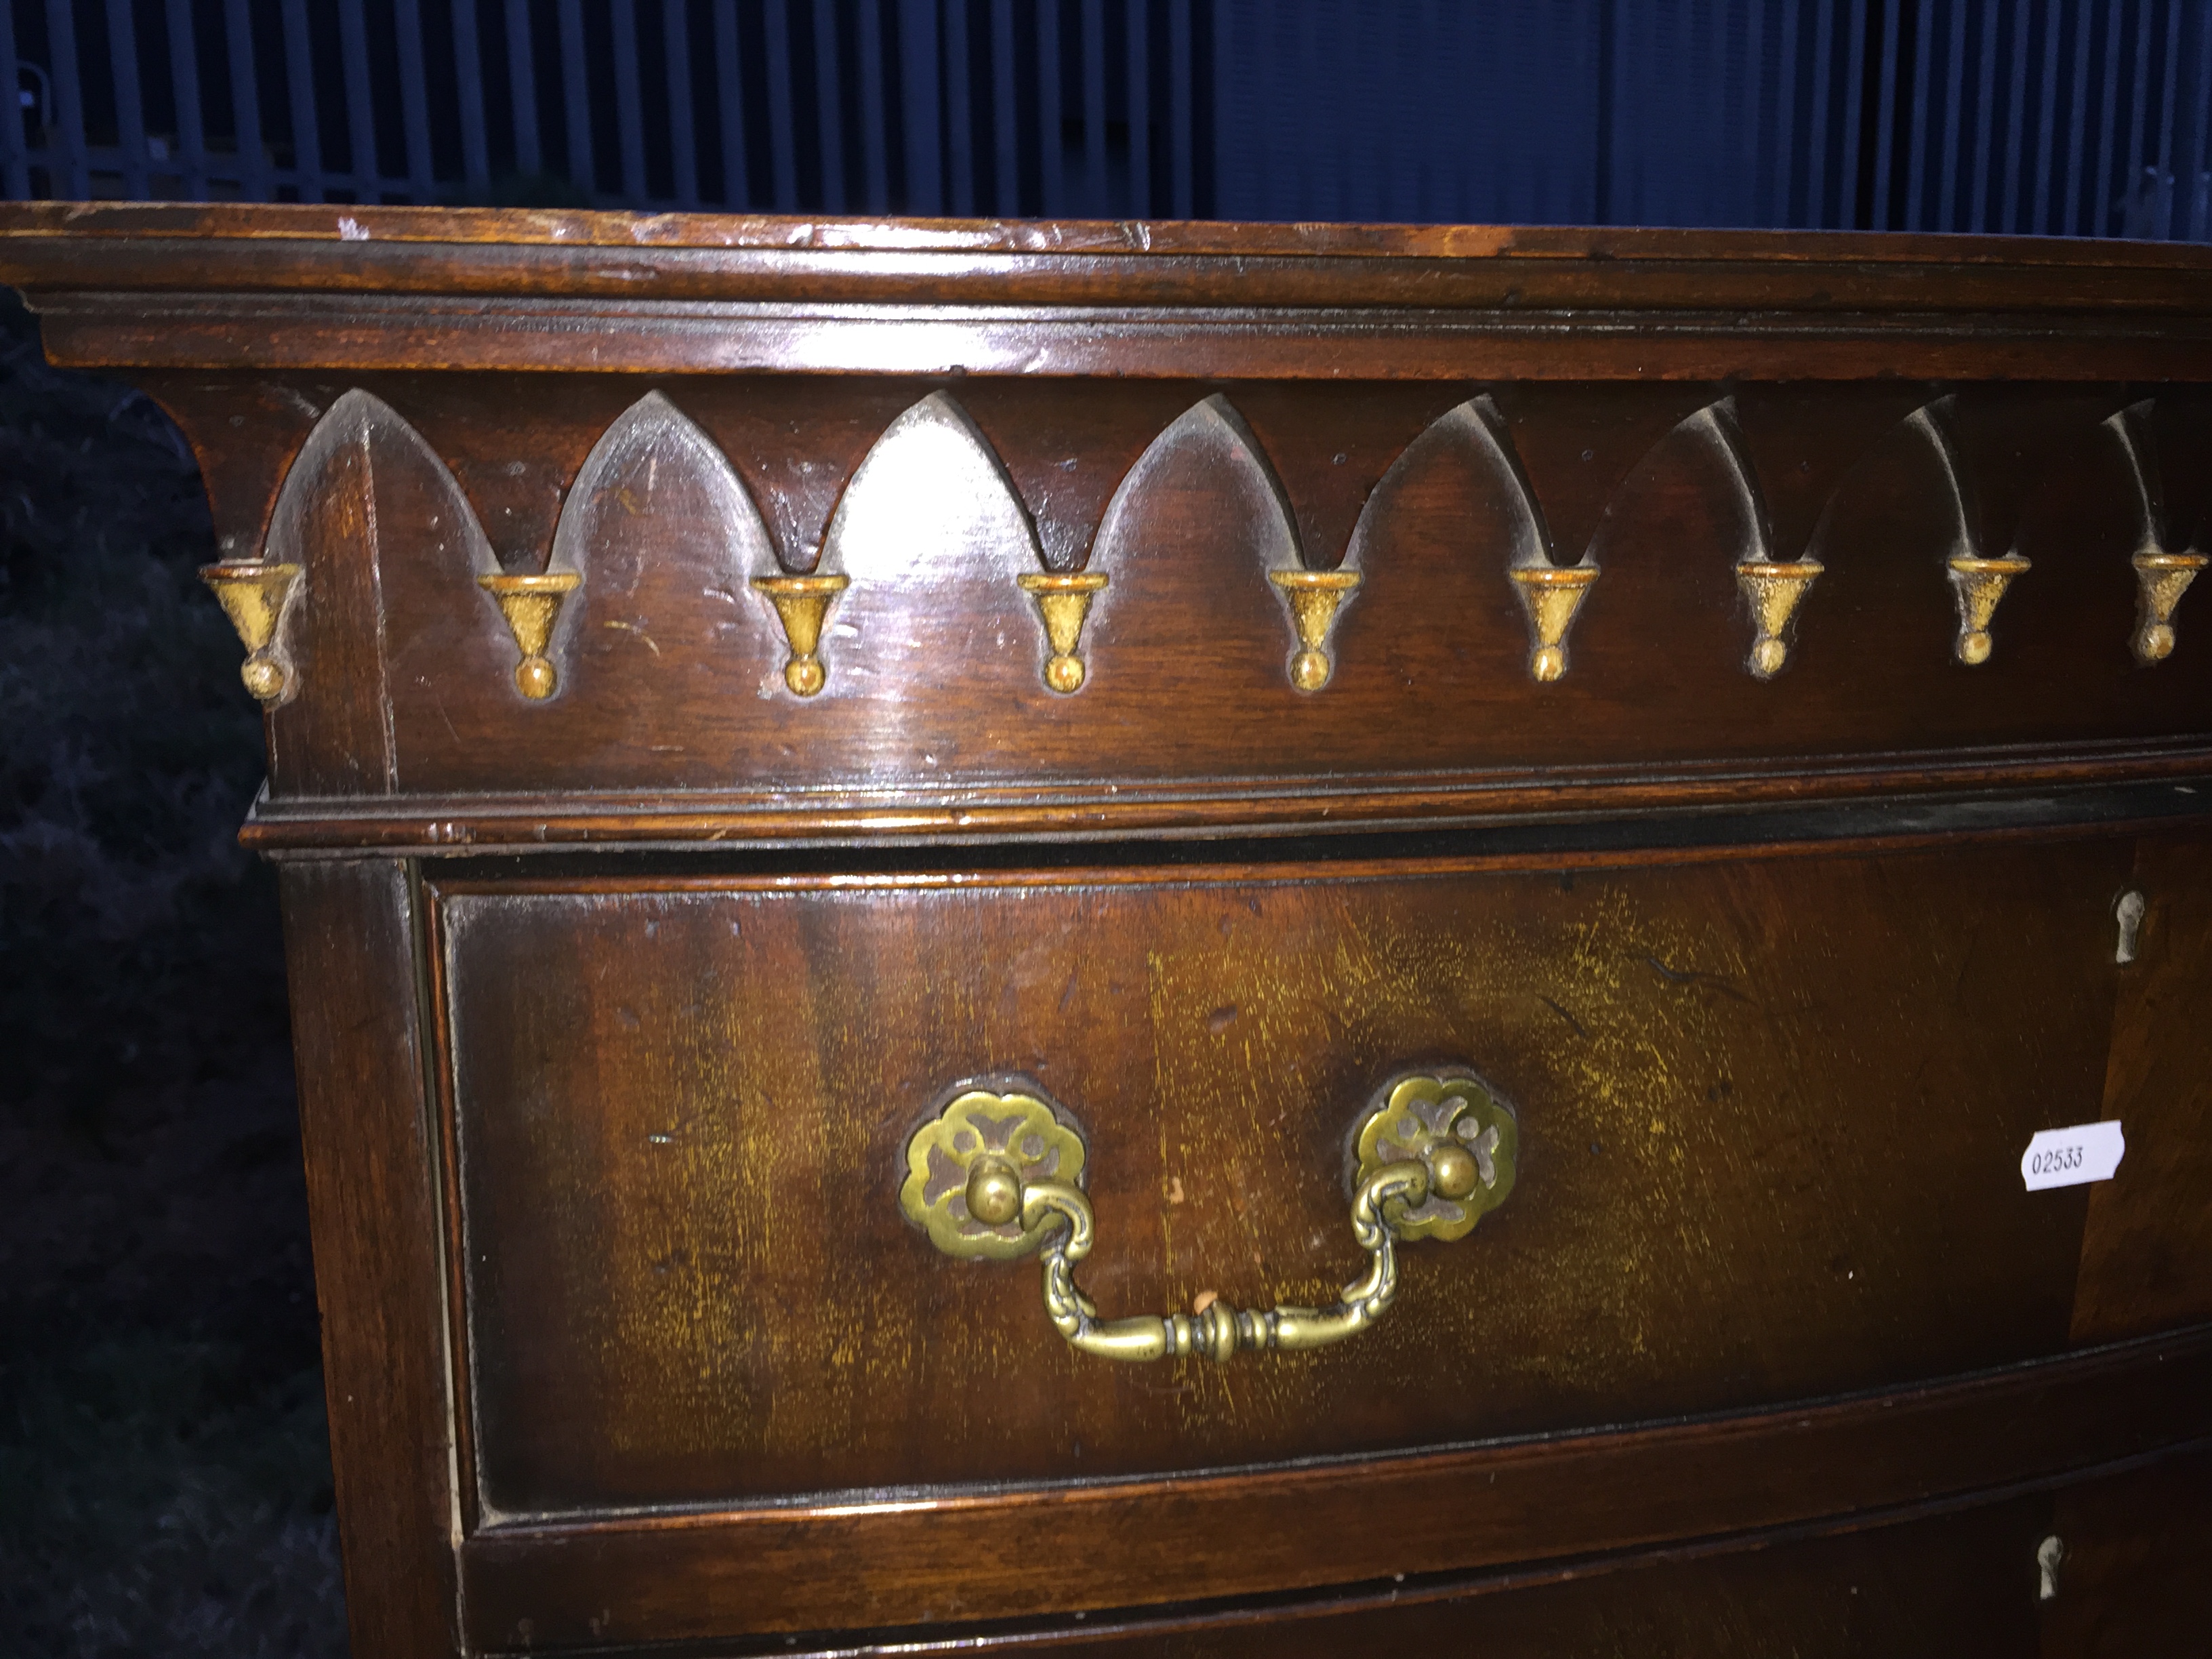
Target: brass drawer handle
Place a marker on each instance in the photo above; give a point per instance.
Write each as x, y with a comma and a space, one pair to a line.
997, 1175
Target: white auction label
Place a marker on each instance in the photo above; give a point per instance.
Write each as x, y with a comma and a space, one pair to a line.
2067, 1158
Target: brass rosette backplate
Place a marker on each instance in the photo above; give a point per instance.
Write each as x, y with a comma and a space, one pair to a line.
1452, 1116
1011, 1127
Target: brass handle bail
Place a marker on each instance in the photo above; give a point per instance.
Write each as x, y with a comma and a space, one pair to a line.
996, 1175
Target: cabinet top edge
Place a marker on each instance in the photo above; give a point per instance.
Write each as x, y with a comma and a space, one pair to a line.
80, 244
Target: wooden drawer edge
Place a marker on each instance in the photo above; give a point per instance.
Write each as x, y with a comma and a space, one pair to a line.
429, 823
1287, 1618
916, 1560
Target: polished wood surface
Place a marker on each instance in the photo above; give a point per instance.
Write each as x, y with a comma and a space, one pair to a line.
2147, 1249
645, 1074
1932, 1582
1935, 1580
369, 1136
942, 1557
934, 703
619, 986
397, 483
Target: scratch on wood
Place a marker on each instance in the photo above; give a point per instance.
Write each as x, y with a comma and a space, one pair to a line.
1693, 976
1580, 1029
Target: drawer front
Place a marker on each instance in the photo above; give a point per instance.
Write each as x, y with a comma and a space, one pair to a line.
1960, 1584
1771, 1114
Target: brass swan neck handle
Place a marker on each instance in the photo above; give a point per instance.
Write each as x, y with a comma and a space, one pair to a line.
995, 1174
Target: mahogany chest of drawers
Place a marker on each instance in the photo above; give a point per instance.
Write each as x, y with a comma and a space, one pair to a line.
1205, 939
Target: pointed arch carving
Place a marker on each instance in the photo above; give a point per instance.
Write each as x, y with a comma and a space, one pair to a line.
1550, 592
1772, 587
1207, 477
2132, 431
932, 486
663, 537
932, 496
1935, 423
1207, 447
1978, 582
2163, 572
391, 550
655, 460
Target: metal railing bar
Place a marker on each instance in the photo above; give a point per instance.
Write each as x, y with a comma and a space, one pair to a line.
1884, 203
2199, 208
1754, 100
1249, 170
1094, 106
2046, 127
629, 100
245, 105
2141, 110
1954, 107
1296, 175
1723, 115
683, 127
14, 147
576, 100
1538, 176
875, 138
1416, 174
829, 104
1816, 194
1665, 197
522, 90
1923, 69
782, 128
2166, 187
1139, 109
730, 109
414, 100
1005, 130
959, 118
2104, 145
129, 113
185, 83
2069, 215
1785, 120
360, 110
921, 106
468, 75
1754, 188
2011, 210
1052, 181
1985, 120
1354, 155
1451, 195
68, 100
1854, 103
2109, 116
1180, 94
1350, 153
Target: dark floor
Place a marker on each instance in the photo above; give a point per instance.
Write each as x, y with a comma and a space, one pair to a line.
164, 1473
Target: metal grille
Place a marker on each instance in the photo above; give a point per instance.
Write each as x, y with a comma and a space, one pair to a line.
2081, 118
2058, 117
965, 106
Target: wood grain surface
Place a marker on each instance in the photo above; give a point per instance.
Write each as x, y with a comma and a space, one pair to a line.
1930, 1582
1729, 1195
372, 1191
1781, 964
922, 1561
2147, 1252
671, 502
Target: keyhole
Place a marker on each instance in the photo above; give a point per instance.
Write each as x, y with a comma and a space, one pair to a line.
2048, 1554
2128, 911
